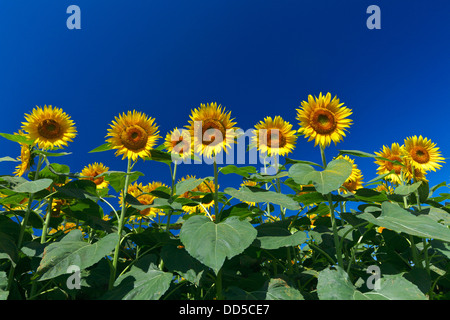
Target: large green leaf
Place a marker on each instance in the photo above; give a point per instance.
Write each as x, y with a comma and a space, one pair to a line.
211, 243
325, 181
395, 218
335, 285
252, 194
144, 281
116, 179
72, 250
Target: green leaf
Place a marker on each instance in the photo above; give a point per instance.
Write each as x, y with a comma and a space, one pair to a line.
144, 281
78, 189
3, 286
33, 186
103, 147
357, 153
276, 235
211, 243
335, 285
16, 138
404, 190
395, 287
57, 172
279, 290
187, 185
8, 248
178, 260
325, 181
292, 161
242, 171
72, 250
116, 179
395, 218
8, 159
252, 194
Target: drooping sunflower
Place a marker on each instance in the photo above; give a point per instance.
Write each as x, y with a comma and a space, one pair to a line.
49, 127
25, 158
198, 193
323, 119
354, 181
274, 136
393, 153
142, 194
91, 171
212, 129
178, 143
422, 153
133, 135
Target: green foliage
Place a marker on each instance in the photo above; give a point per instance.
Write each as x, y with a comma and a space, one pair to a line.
290, 236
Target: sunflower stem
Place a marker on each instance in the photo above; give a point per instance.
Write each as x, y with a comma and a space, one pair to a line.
47, 221
24, 222
216, 190
333, 218
120, 227
173, 174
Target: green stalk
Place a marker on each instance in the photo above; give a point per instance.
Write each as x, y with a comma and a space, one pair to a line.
120, 227
24, 222
47, 221
173, 174
216, 190
217, 220
333, 218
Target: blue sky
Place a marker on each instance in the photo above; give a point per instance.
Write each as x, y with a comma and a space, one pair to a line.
256, 58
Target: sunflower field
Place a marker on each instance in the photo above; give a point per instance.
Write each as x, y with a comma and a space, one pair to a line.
295, 230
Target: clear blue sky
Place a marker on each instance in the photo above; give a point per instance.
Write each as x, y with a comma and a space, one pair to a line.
257, 58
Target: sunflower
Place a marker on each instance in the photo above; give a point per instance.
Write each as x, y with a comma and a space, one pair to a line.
133, 135
198, 193
49, 127
274, 136
178, 142
354, 181
212, 129
142, 194
413, 173
25, 158
393, 153
323, 120
91, 172
422, 153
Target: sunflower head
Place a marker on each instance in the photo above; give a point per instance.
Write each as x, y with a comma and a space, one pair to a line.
133, 135
274, 136
422, 153
91, 171
143, 195
198, 193
178, 143
396, 163
26, 160
354, 181
49, 127
212, 129
323, 119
